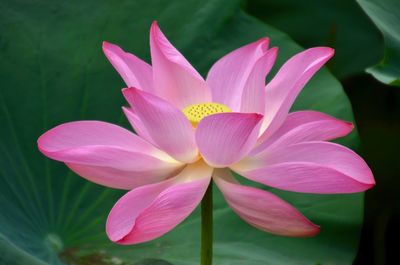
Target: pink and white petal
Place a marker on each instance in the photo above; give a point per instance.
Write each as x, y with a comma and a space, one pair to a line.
225, 138
228, 76
166, 125
253, 97
312, 167
148, 212
93, 145
81, 134
111, 156
287, 84
305, 126
134, 71
175, 80
126, 179
262, 209
137, 125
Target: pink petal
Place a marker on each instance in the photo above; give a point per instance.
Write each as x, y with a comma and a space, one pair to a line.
225, 138
312, 167
151, 211
175, 80
228, 76
107, 154
303, 126
288, 82
138, 125
71, 135
126, 179
167, 126
253, 98
263, 209
135, 72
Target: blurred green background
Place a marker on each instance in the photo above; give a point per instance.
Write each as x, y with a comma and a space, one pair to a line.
52, 70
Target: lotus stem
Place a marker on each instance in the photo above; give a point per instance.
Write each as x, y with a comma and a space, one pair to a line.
206, 252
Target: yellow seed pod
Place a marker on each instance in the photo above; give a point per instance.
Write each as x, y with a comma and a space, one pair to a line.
196, 112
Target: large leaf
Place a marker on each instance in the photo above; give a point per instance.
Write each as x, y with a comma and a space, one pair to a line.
339, 24
52, 70
386, 15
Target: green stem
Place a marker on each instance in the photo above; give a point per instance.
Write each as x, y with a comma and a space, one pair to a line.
207, 227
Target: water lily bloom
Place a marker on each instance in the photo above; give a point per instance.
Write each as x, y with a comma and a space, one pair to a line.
191, 130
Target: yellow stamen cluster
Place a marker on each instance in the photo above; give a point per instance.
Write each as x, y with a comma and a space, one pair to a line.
196, 112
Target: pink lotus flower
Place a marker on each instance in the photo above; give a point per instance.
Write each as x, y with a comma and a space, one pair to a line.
191, 130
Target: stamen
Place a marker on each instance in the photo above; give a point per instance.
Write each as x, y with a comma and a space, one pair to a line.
196, 112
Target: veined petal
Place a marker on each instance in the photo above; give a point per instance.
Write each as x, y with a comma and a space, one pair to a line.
288, 82
225, 138
137, 125
127, 179
305, 126
134, 71
312, 167
253, 98
228, 76
83, 134
262, 209
107, 154
167, 126
175, 80
151, 211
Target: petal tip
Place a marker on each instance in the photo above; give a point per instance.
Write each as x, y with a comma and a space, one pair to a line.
107, 46
370, 184
272, 53
129, 90
307, 229
114, 236
264, 42
274, 50
127, 111
310, 230
329, 51
263, 39
105, 43
322, 52
363, 186
40, 143
257, 116
154, 29
350, 126
314, 230
130, 93
154, 23
111, 50
43, 141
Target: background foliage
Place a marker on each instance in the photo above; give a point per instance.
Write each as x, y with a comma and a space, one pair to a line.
52, 71
385, 15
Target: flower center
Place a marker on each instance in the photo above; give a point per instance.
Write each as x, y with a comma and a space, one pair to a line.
196, 112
